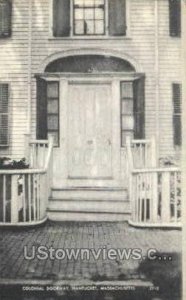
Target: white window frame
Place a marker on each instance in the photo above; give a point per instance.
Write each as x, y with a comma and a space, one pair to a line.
91, 37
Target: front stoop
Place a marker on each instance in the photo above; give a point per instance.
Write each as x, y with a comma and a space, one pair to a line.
89, 204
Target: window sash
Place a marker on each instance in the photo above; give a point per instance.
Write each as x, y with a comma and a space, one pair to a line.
126, 111
105, 32
53, 122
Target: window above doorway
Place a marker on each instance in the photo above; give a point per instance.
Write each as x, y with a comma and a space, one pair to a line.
90, 18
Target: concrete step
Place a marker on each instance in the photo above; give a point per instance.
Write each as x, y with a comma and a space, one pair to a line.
81, 205
88, 210
89, 193
87, 216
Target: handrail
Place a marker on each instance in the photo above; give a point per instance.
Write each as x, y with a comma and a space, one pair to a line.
22, 171
50, 143
39, 142
153, 170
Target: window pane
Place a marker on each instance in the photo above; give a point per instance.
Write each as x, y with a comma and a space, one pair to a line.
79, 14
79, 2
52, 106
79, 27
52, 122
99, 27
127, 90
127, 107
99, 13
127, 122
99, 2
89, 3
52, 90
89, 14
90, 27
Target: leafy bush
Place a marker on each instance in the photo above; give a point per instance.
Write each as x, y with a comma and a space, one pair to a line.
7, 163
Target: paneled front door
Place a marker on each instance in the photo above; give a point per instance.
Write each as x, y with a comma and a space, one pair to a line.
89, 131
89, 136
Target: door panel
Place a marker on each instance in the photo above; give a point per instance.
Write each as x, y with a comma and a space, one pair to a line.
89, 131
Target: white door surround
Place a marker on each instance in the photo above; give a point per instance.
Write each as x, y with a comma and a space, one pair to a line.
108, 91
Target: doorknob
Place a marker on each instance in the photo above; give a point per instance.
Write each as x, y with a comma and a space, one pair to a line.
90, 142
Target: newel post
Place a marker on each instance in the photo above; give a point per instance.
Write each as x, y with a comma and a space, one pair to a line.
14, 198
27, 147
154, 152
166, 195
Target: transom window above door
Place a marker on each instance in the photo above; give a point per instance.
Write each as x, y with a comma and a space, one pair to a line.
91, 18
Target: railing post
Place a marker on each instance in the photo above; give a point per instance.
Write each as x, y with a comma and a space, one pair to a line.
154, 200
166, 197
153, 152
27, 147
14, 199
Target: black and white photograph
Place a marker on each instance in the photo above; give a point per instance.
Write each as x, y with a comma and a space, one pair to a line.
92, 149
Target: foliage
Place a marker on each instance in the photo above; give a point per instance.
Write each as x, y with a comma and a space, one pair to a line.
7, 163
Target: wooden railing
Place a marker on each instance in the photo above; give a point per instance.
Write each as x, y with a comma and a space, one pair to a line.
24, 193
156, 197
139, 154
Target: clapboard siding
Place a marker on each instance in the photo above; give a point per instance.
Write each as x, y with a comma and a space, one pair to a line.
14, 70
169, 72
141, 45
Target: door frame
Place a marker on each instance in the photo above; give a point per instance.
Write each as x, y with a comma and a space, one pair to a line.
110, 78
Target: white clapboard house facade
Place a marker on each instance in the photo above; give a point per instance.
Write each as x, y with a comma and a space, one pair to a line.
90, 95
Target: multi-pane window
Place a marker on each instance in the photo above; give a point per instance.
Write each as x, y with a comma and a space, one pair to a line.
5, 18
53, 110
132, 109
4, 114
89, 18
127, 117
177, 126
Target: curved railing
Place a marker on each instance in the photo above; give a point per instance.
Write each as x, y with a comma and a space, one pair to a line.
24, 192
156, 197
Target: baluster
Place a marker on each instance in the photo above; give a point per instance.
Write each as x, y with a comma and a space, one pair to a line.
175, 198
155, 197
140, 198
34, 197
14, 198
29, 198
24, 198
38, 196
145, 196
166, 197
4, 198
141, 155
150, 197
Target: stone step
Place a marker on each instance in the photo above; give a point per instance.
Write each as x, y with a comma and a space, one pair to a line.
87, 216
81, 205
86, 193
